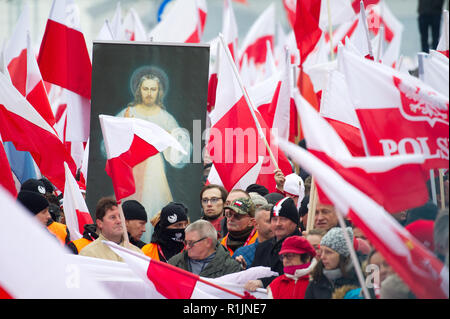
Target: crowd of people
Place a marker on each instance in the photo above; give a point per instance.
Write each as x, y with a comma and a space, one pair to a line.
241, 229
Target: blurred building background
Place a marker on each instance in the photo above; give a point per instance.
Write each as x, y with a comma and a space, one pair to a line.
94, 12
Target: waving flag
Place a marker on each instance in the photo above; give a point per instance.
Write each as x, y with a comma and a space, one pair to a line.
397, 183
37, 266
434, 72
133, 28
21, 124
128, 142
230, 28
175, 283
184, 22
262, 30
338, 110
443, 45
64, 60
426, 275
306, 28
398, 113
75, 208
236, 143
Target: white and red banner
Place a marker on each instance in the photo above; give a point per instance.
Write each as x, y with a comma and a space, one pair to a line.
128, 142
22, 125
443, 45
236, 142
255, 42
337, 108
396, 182
76, 211
398, 113
23, 68
35, 265
184, 22
418, 267
230, 28
132, 27
174, 283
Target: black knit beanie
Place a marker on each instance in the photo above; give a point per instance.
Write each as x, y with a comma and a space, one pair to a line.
34, 202
132, 209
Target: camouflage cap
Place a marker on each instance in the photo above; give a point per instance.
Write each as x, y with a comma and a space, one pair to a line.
243, 206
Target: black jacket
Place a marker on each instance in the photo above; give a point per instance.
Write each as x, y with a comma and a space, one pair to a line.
430, 7
267, 255
324, 288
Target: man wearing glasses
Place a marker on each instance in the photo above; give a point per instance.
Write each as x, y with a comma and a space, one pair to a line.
240, 216
203, 254
212, 198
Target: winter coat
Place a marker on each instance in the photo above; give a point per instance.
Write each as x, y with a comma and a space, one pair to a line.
221, 265
267, 255
323, 288
291, 286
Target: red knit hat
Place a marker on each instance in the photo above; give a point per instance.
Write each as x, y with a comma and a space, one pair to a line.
297, 245
423, 230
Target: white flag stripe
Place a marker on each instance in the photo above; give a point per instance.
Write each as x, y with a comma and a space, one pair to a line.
118, 130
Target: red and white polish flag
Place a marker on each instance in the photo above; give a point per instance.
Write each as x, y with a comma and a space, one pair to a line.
63, 57
184, 22
397, 182
23, 69
132, 28
255, 42
75, 208
128, 142
175, 283
398, 113
235, 144
35, 265
230, 28
418, 267
338, 110
434, 72
22, 125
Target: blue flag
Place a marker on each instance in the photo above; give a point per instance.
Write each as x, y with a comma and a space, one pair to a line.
21, 163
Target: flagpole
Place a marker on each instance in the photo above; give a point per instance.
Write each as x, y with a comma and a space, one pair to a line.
446, 29
248, 100
353, 256
420, 57
124, 226
441, 187
330, 29
312, 205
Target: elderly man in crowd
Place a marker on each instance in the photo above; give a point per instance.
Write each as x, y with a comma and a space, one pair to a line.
203, 254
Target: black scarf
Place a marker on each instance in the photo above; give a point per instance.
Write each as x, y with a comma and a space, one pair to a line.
238, 239
170, 241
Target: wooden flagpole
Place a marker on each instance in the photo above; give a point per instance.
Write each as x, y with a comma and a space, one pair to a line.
311, 206
124, 226
248, 100
353, 256
441, 187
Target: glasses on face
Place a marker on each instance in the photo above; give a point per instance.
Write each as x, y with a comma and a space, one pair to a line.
288, 256
191, 243
229, 214
213, 200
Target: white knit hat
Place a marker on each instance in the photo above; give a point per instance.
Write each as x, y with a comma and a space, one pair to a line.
335, 240
294, 185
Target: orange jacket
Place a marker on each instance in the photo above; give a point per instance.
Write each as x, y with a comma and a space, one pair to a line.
151, 250
249, 242
60, 231
80, 243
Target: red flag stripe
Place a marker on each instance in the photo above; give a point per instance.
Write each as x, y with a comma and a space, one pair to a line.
64, 59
